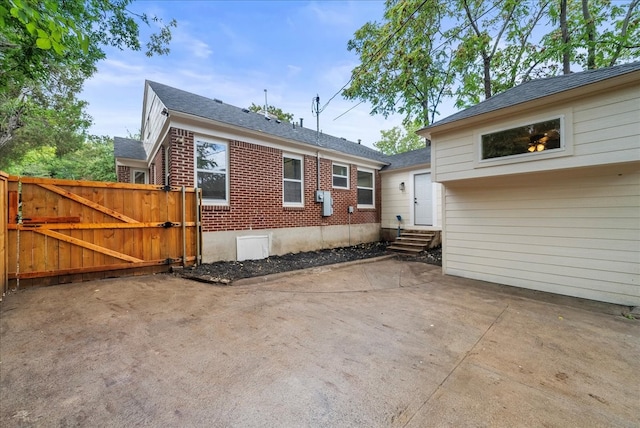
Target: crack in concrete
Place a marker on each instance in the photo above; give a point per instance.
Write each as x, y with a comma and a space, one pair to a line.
469, 352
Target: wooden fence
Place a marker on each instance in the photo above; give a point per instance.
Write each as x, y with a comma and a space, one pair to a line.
62, 231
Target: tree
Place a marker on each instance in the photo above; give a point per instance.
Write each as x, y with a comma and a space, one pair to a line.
599, 33
424, 52
404, 69
495, 49
38, 115
92, 160
399, 140
47, 49
272, 111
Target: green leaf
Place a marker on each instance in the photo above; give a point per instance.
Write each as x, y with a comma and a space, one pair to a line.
84, 43
58, 47
32, 28
43, 43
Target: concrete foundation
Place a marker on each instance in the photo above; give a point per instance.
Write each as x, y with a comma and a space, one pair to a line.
217, 246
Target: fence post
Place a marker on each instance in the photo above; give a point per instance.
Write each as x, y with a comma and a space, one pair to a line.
4, 240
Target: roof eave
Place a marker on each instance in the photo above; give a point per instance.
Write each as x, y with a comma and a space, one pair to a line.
273, 138
574, 93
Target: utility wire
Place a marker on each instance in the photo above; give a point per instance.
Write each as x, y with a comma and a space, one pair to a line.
375, 54
338, 117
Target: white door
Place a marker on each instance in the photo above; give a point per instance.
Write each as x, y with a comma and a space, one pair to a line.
423, 212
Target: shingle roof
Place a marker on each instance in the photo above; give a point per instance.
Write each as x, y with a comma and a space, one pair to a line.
185, 102
408, 159
128, 148
540, 88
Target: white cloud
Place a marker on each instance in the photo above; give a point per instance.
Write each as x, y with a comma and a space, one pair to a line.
235, 42
200, 49
338, 75
294, 70
114, 72
335, 14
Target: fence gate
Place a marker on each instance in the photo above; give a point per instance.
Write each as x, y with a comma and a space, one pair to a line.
62, 231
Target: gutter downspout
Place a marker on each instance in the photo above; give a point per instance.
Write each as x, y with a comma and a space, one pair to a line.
167, 174
318, 169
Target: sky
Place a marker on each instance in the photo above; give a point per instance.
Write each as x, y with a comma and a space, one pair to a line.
233, 51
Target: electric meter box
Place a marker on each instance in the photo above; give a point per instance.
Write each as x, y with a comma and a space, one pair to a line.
327, 203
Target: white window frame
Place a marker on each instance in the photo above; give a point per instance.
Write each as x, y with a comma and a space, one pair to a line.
292, 180
133, 175
196, 140
373, 189
566, 140
333, 175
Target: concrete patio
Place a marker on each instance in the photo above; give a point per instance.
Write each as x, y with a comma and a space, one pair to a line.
387, 343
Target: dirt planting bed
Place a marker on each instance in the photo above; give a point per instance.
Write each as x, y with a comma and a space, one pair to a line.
227, 272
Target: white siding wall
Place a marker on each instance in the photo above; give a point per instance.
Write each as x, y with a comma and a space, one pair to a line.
153, 120
395, 202
600, 129
574, 232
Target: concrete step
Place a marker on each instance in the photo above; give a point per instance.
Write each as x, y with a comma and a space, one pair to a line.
411, 242
414, 240
414, 234
399, 249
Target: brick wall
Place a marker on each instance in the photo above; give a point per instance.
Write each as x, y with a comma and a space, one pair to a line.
255, 197
181, 158
124, 174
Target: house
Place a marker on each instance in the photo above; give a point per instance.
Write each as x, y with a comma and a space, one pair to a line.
269, 187
542, 186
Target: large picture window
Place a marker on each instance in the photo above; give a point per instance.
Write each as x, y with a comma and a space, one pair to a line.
531, 138
340, 176
292, 184
212, 170
365, 189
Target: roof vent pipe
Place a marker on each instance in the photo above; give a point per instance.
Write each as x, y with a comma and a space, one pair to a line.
266, 115
301, 122
359, 141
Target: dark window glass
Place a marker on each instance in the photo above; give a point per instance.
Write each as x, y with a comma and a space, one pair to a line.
340, 176
292, 169
365, 188
292, 192
532, 138
211, 166
365, 197
292, 182
213, 185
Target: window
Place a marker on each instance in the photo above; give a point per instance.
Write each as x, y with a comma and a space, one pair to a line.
365, 189
211, 170
292, 181
522, 140
340, 176
139, 177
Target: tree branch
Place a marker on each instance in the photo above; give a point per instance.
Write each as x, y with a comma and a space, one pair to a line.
623, 33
